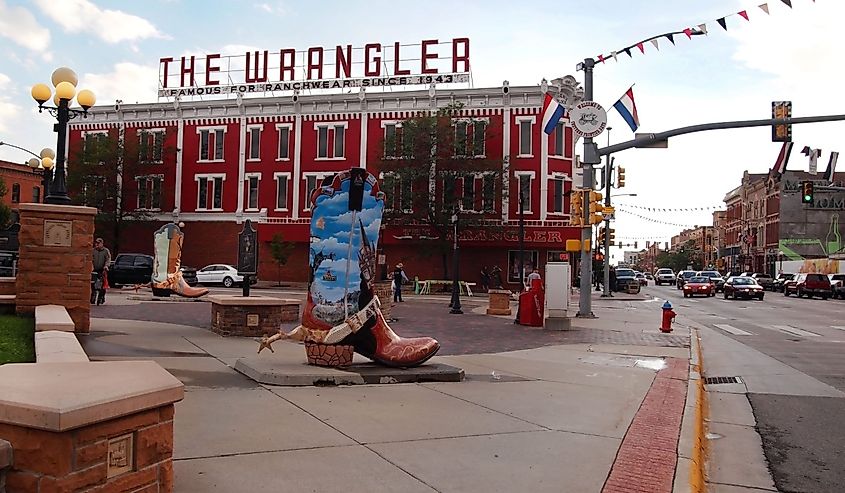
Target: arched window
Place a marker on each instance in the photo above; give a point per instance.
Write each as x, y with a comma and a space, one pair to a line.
16, 193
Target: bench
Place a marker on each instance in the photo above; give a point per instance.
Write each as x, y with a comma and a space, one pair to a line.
52, 317
54, 346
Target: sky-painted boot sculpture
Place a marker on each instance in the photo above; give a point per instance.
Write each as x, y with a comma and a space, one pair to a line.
167, 277
342, 311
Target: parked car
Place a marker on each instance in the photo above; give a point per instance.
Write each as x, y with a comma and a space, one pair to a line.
8, 264
764, 280
222, 274
836, 281
715, 277
641, 277
743, 287
839, 291
699, 285
808, 284
625, 278
137, 268
664, 276
649, 277
683, 276
780, 280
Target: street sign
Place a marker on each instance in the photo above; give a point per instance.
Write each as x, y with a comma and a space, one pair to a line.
588, 119
608, 210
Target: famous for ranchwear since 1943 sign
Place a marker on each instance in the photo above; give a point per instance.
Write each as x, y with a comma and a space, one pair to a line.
430, 61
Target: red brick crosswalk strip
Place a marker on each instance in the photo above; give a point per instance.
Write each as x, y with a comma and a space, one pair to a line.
647, 457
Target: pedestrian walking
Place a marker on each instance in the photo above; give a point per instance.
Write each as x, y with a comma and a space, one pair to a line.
535, 274
100, 259
399, 277
485, 278
496, 275
612, 279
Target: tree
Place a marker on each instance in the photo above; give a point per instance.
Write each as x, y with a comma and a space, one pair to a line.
434, 167
119, 176
5, 210
686, 256
280, 250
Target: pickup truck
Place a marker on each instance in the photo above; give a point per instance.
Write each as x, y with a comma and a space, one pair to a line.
137, 268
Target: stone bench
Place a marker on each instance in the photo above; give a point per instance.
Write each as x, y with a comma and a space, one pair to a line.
52, 317
55, 346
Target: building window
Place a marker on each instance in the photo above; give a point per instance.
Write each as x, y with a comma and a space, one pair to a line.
468, 197
252, 191
525, 191
558, 195
93, 191
284, 143
211, 144
36, 194
16, 193
210, 192
525, 137
150, 145
149, 192
558, 140
479, 131
461, 134
337, 147
254, 134
282, 192
392, 140
449, 192
398, 193
94, 145
488, 197
312, 182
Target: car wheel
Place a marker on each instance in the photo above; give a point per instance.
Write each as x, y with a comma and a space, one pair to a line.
726, 295
824, 296
760, 297
228, 282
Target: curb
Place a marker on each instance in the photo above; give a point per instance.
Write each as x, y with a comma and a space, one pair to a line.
697, 473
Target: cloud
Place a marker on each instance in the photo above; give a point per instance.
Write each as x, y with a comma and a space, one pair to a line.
112, 26
278, 8
20, 26
128, 81
8, 110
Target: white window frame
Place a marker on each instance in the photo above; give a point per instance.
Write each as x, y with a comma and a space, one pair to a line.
330, 128
279, 128
470, 137
475, 177
286, 176
561, 152
486, 122
493, 199
249, 129
210, 129
519, 121
150, 132
210, 177
154, 177
531, 175
247, 177
562, 180
398, 125
306, 204
85, 133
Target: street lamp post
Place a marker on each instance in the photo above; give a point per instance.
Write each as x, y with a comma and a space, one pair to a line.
456, 288
64, 80
45, 164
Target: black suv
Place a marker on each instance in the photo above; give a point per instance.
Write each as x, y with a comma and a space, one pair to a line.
715, 278
683, 277
137, 268
780, 280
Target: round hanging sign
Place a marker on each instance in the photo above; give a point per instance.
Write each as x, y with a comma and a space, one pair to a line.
588, 119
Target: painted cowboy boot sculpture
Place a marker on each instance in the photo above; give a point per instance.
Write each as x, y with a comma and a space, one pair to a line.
341, 308
167, 277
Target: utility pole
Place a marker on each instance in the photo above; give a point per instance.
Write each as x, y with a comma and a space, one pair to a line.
591, 157
608, 173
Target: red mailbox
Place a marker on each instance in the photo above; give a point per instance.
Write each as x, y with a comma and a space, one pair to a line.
532, 305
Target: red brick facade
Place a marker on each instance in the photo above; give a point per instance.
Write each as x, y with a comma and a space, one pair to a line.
23, 184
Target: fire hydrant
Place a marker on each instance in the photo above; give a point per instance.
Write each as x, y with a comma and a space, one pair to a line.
668, 316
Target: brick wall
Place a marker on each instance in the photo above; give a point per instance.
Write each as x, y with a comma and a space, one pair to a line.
231, 320
58, 275
75, 460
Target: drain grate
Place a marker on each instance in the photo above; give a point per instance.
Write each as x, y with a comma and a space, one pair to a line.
718, 380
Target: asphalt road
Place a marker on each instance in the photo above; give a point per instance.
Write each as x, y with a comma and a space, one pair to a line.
803, 436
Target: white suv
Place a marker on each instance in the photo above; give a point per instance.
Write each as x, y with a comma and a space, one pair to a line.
664, 276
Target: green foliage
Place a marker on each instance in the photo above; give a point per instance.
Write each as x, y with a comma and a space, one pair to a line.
685, 256
17, 343
280, 250
5, 210
443, 148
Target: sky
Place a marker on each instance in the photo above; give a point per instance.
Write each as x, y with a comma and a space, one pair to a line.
734, 74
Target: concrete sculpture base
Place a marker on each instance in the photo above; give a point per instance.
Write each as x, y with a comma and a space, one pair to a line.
500, 302
253, 316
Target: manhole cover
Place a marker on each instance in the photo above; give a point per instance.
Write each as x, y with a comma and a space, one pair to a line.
718, 380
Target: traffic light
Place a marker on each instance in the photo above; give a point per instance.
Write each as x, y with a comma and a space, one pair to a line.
576, 208
595, 207
601, 237
620, 177
598, 257
807, 192
612, 234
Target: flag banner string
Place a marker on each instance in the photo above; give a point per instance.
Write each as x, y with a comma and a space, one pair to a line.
689, 32
675, 209
655, 220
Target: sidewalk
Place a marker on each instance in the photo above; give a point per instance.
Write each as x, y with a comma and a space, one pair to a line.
597, 408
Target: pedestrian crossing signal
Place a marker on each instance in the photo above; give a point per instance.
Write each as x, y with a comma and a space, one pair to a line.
807, 192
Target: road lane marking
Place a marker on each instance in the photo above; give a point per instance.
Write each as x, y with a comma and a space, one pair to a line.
733, 330
839, 327
794, 331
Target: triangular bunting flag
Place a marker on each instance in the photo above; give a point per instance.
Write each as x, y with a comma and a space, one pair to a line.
702, 28
806, 150
601, 58
654, 42
722, 23
613, 54
671, 38
787, 2
688, 32
743, 14
628, 52
640, 46
764, 7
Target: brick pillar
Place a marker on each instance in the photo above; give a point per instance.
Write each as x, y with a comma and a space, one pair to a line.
54, 266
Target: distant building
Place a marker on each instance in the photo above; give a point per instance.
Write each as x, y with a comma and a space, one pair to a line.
23, 184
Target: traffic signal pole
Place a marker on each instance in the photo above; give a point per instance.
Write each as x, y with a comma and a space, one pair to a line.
608, 172
591, 157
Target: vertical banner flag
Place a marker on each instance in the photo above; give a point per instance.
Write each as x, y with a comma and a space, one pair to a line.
831, 167
814, 160
628, 109
552, 113
780, 163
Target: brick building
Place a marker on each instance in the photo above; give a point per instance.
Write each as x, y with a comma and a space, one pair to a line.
259, 158
23, 184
